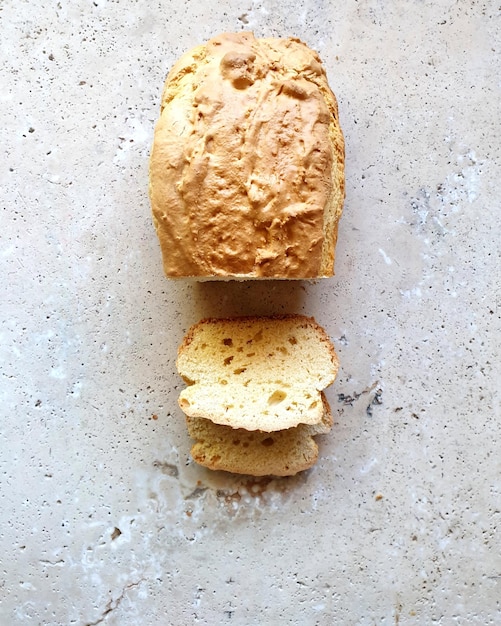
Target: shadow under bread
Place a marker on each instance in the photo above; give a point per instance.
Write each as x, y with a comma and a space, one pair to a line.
251, 297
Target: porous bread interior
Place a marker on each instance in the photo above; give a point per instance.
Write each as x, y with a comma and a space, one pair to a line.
257, 453
257, 373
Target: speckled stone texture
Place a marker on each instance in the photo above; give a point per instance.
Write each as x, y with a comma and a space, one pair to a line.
104, 517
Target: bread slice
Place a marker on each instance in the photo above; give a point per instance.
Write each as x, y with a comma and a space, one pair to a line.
247, 163
257, 453
256, 373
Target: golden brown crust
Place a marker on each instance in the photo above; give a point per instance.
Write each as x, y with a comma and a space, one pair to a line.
247, 166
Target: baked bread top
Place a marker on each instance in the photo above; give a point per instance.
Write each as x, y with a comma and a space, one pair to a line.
256, 373
247, 165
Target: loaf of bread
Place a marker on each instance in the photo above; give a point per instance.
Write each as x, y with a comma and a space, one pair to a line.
254, 397
247, 164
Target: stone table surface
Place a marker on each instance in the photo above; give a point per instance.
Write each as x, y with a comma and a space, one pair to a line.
104, 517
